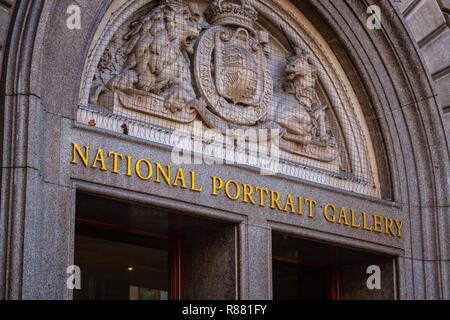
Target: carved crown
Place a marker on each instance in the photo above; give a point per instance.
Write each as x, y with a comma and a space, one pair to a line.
228, 13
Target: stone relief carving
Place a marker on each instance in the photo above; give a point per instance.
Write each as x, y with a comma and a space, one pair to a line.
300, 111
155, 77
178, 64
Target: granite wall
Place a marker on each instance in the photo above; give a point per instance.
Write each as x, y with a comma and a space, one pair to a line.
40, 81
429, 23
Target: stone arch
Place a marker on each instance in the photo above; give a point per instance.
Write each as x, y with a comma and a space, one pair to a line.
355, 168
38, 101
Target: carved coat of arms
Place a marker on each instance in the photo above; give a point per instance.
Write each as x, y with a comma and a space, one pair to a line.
179, 64
230, 67
239, 68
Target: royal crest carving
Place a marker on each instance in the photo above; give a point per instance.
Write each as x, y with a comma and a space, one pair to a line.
231, 72
235, 86
230, 86
234, 65
150, 73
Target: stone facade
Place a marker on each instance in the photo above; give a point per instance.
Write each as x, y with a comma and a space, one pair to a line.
429, 22
391, 95
5, 16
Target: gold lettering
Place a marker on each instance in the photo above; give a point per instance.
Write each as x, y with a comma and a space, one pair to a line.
248, 193
300, 205
353, 220
261, 195
115, 160
274, 200
84, 158
180, 177
399, 227
129, 166
364, 223
193, 188
311, 203
388, 226
215, 186
238, 190
289, 203
343, 215
138, 172
99, 157
377, 223
326, 215
166, 175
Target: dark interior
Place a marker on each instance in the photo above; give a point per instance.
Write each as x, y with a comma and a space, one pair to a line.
309, 270
131, 251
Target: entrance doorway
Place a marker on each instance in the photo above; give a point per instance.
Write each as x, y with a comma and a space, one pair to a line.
137, 252
308, 270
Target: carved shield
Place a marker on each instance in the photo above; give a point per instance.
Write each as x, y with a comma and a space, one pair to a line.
239, 68
230, 73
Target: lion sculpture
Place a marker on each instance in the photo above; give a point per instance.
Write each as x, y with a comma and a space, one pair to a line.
156, 55
299, 110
